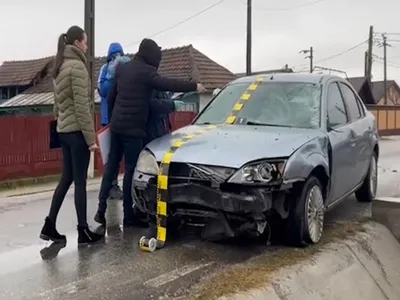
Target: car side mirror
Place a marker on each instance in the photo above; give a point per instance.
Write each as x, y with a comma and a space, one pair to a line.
330, 128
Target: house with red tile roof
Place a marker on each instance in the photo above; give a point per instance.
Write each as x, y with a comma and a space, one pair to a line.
18, 76
28, 83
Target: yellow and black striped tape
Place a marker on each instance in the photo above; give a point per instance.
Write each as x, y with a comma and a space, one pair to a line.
246, 96
162, 184
162, 178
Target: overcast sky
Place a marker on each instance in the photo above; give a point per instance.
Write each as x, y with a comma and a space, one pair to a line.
30, 28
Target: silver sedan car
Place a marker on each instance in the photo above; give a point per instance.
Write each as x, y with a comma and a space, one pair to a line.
286, 146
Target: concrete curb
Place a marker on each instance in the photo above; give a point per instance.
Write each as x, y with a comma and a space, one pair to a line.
366, 267
386, 210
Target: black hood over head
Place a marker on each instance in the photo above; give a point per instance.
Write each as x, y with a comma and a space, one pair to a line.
150, 52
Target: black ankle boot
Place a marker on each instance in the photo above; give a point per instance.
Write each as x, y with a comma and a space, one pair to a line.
86, 236
50, 233
100, 218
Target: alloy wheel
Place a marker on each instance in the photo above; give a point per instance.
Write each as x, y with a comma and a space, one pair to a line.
373, 176
315, 214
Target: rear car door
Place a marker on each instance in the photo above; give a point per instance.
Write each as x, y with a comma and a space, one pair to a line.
359, 132
339, 132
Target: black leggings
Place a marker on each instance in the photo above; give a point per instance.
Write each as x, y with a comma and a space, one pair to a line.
76, 156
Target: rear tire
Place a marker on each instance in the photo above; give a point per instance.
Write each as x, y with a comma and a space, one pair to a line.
367, 192
305, 223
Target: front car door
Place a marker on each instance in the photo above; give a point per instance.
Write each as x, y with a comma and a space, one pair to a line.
339, 133
360, 132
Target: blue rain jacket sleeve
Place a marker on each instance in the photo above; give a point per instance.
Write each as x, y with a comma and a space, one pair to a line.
103, 85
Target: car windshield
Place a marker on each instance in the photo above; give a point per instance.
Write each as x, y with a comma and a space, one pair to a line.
282, 104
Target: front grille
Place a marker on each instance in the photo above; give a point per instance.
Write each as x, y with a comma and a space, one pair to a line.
209, 175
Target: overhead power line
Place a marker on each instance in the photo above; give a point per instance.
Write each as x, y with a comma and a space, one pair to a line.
287, 8
393, 66
179, 23
393, 33
341, 53
389, 64
335, 55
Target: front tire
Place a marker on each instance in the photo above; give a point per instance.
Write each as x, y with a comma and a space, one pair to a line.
305, 223
367, 192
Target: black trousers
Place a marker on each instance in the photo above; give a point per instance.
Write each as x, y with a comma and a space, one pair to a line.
76, 156
129, 148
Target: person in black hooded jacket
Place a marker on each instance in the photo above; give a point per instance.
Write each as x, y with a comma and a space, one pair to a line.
129, 104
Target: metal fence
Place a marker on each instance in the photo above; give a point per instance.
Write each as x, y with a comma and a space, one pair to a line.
24, 144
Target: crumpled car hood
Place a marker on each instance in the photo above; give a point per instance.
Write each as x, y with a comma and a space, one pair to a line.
233, 145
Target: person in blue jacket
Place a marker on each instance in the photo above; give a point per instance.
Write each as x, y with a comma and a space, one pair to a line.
115, 55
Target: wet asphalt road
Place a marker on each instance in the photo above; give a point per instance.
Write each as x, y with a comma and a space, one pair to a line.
116, 269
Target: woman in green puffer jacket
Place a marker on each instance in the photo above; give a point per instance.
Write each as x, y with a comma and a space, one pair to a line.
74, 112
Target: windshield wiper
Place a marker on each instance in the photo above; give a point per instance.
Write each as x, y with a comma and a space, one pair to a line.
266, 124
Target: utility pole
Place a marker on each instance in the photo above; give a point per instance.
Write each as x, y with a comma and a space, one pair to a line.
369, 61
385, 45
89, 29
311, 57
248, 44
366, 64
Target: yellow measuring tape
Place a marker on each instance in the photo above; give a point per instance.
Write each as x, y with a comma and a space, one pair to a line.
243, 100
151, 244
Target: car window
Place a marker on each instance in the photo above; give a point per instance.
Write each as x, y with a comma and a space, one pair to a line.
353, 108
287, 104
336, 109
220, 107
361, 107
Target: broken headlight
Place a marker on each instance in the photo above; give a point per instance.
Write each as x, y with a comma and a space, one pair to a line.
147, 163
261, 172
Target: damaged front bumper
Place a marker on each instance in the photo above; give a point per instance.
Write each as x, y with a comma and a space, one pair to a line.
200, 199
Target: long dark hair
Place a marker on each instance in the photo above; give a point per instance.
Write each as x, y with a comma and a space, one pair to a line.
74, 33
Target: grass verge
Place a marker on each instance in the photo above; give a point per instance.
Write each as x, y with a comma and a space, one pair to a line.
257, 272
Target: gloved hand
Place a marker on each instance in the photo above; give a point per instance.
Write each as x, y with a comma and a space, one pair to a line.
178, 104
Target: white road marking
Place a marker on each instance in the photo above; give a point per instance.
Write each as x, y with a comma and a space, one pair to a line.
72, 287
175, 274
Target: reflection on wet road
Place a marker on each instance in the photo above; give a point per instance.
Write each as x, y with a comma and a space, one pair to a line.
115, 268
